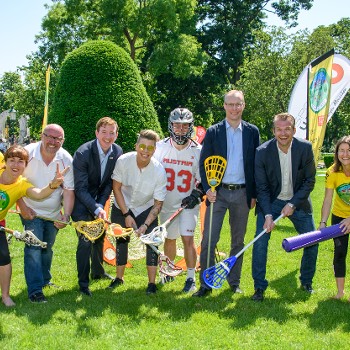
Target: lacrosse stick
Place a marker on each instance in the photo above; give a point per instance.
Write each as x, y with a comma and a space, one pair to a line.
215, 276
91, 230
214, 170
117, 231
27, 237
158, 234
166, 267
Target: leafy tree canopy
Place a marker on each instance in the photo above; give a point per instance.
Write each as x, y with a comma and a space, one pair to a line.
100, 79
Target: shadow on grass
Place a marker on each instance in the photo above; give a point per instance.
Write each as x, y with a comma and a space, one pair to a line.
331, 314
132, 304
277, 306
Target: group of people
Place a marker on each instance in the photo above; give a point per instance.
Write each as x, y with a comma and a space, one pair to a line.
155, 180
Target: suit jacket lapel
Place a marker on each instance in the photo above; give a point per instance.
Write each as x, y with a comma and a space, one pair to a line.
223, 138
274, 155
295, 163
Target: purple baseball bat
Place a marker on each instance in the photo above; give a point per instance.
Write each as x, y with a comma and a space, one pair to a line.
307, 239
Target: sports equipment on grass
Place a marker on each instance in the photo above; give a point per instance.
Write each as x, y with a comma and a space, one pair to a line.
215, 276
307, 239
91, 230
158, 234
214, 171
27, 237
117, 231
166, 267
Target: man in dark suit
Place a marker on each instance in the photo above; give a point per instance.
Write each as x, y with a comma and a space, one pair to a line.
285, 176
93, 165
236, 141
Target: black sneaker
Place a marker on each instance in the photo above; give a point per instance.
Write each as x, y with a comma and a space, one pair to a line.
202, 292
258, 295
190, 285
115, 283
151, 289
307, 288
86, 291
104, 276
38, 298
236, 289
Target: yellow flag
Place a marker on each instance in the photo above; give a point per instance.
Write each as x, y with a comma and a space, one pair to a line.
46, 106
318, 97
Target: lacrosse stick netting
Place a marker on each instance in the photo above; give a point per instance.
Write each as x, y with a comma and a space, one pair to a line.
158, 234
214, 171
27, 237
215, 276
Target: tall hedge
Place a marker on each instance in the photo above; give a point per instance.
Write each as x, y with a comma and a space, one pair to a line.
100, 79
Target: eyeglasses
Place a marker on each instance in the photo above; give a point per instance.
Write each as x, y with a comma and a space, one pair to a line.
149, 148
237, 105
54, 138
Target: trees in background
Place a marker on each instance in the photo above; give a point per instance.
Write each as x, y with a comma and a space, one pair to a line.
99, 79
191, 52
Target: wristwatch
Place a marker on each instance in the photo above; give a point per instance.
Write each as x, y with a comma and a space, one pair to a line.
127, 213
291, 205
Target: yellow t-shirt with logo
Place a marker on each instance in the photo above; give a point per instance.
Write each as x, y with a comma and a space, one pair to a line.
9, 194
2, 159
340, 183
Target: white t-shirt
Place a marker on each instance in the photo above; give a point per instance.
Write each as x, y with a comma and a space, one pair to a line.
140, 187
182, 169
40, 174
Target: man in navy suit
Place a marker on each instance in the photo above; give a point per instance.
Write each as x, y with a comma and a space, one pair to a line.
285, 176
93, 165
236, 141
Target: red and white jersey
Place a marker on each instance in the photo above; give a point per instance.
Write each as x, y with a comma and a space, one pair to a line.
182, 169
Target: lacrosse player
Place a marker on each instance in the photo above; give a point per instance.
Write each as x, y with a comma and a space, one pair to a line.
139, 187
179, 155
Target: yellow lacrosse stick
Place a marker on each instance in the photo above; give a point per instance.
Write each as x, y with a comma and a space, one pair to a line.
214, 170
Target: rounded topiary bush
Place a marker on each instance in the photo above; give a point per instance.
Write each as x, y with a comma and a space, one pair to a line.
99, 79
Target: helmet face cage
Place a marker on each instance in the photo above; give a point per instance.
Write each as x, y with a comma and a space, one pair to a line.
183, 116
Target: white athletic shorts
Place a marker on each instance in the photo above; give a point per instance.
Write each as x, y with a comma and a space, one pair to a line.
183, 225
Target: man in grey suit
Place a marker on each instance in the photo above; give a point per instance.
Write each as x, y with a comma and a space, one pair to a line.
285, 176
236, 141
93, 165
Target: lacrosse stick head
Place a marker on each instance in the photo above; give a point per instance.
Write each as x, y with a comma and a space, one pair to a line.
92, 230
115, 230
215, 276
167, 267
156, 237
29, 238
214, 170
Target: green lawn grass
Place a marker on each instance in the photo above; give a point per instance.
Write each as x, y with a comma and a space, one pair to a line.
127, 318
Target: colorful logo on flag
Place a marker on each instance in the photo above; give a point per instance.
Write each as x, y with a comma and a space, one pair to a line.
319, 90
343, 192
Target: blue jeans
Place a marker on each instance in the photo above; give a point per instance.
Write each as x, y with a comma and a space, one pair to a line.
37, 261
303, 222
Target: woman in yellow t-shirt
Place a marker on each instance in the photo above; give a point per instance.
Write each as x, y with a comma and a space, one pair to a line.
12, 187
338, 181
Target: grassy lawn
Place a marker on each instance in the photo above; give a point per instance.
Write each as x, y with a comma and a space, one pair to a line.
127, 318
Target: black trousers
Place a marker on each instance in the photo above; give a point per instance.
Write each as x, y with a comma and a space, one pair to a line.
87, 251
340, 250
122, 244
